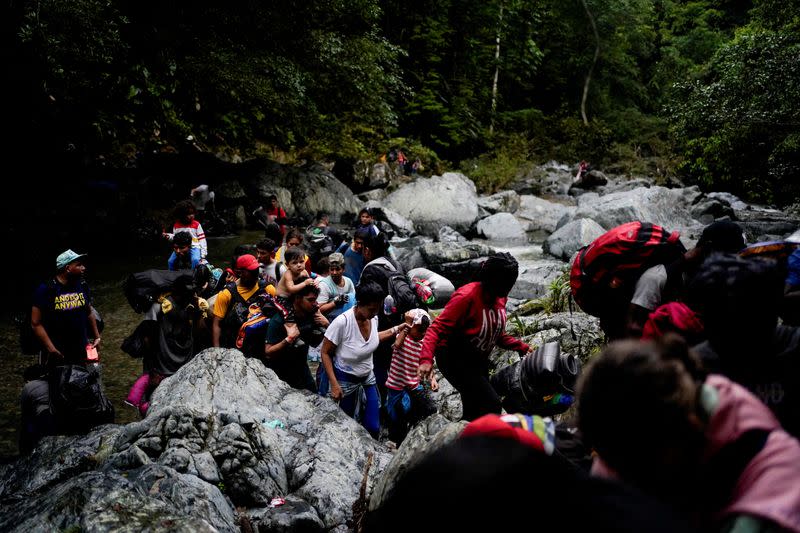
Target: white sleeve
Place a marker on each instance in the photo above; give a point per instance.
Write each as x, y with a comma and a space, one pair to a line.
335, 331
649, 288
201, 238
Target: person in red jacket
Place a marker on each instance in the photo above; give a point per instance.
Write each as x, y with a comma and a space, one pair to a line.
472, 323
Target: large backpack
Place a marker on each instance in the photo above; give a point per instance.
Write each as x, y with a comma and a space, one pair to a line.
319, 244
253, 332
143, 288
605, 272
400, 289
77, 399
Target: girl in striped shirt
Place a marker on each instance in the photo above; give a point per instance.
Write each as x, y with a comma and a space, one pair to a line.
407, 400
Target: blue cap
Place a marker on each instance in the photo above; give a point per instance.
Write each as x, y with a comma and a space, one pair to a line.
66, 258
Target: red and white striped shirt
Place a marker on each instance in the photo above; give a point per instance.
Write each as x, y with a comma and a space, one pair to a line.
405, 362
194, 229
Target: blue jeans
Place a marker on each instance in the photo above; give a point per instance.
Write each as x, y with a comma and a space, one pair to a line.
353, 386
194, 254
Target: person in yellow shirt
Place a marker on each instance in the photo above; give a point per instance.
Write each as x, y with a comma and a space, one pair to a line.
232, 305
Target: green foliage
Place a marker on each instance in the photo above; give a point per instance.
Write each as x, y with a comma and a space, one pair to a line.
116, 73
496, 169
738, 123
708, 89
558, 294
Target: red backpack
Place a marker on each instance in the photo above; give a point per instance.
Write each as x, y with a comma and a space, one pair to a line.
606, 270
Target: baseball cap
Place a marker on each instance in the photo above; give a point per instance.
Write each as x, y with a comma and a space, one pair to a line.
66, 258
247, 262
531, 430
336, 259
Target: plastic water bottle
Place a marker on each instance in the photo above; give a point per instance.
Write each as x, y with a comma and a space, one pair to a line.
388, 305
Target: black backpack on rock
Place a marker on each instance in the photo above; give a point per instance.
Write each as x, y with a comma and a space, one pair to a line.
77, 399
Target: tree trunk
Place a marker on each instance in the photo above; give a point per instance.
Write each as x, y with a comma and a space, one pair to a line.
496, 71
594, 62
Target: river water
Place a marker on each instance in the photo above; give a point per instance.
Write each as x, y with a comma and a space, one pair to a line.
105, 275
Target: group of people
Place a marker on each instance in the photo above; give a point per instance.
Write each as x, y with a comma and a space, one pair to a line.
689, 418
692, 412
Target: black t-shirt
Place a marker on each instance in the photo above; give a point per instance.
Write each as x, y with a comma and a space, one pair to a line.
65, 310
773, 374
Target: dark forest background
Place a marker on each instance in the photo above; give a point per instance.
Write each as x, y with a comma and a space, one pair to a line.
705, 91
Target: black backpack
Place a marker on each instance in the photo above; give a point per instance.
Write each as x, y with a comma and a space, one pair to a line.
143, 288
399, 288
320, 244
77, 400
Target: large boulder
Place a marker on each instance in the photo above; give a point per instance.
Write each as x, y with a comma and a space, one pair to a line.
223, 433
578, 334
401, 225
501, 202
449, 199
311, 188
458, 262
535, 278
757, 222
568, 239
501, 227
541, 215
148, 498
437, 253
407, 251
658, 205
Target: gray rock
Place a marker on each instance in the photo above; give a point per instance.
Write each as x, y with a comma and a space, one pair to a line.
55, 460
207, 430
541, 215
379, 175
578, 333
624, 185
449, 199
311, 188
730, 199
501, 202
372, 195
152, 498
758, 221
294, 515
436, 253
407, 251
709, 209
535, 278
654, 204
402, 226
568, 239
426, 437
501, 227
448, 234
